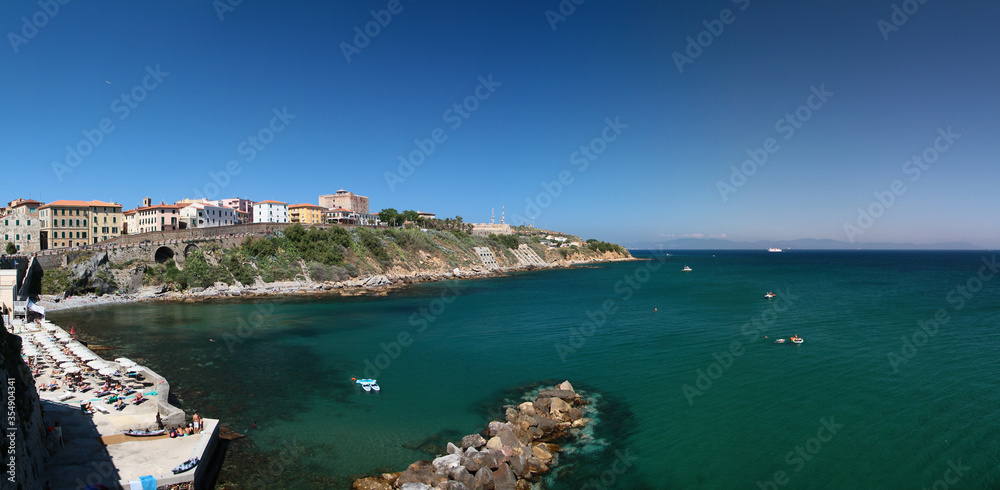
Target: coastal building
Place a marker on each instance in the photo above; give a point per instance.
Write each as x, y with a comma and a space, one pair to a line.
201, 215
345, 200
484, 229
426, 215
341, 216
243, 207
20, 225
270, 212
306, 214
66, 224
149, 217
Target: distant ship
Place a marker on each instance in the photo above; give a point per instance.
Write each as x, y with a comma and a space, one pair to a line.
773, 249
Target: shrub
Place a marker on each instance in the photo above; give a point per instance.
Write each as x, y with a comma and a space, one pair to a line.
374, 245
509, 241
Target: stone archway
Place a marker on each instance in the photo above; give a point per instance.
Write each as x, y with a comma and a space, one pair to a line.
163, 254
191, 247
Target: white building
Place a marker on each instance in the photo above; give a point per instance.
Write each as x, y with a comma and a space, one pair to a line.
270, 212
201, 215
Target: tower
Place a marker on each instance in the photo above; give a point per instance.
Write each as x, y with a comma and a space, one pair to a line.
501, 213
492, 215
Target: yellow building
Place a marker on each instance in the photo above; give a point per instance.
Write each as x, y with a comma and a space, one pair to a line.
306, 214
66, 224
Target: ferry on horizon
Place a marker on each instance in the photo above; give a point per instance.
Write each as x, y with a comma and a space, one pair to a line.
775, 249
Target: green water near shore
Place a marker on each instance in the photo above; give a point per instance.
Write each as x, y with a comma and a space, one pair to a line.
833, 412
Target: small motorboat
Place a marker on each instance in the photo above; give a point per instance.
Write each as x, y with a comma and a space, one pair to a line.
796, 339
769, 295
185, 466
368, 384
686, 269
144, 433
779, 341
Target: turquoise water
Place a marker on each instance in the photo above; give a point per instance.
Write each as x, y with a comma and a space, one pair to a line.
834, 412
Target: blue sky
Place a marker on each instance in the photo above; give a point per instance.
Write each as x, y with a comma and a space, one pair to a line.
222, 75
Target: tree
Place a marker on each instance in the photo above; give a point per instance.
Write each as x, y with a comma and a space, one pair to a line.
410, 215
11, 248
389, 216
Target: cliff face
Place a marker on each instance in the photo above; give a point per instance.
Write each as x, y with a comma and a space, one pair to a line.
23, 434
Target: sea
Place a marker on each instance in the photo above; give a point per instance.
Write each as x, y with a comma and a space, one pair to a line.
895, 385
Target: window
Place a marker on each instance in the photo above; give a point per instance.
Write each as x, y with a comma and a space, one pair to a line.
29, 222
95, 229
17, 237
63, 223
17, 222
84, 235
29, 237
63, 235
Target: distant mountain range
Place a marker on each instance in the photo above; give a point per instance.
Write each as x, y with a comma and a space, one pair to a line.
800, 244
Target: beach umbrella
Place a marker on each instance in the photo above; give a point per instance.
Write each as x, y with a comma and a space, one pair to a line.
72, 370
88, 357
97, 364
124, 361
67, 364
108, 371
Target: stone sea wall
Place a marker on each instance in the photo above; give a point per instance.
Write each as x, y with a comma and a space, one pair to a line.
23, 453
509, 455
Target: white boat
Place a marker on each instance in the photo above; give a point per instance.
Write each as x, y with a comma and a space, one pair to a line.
769, 295
774, 249
368, 384
796, 339
686, 269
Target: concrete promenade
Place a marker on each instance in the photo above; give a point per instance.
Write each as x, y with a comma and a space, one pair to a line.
91, 448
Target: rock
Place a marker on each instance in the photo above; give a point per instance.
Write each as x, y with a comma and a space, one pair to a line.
504, 479
545, 424
534, 433
580, 423
415, 486
453, 485
542, 404
536, 466
494, 443
470, 452
420, 472
487, 460
527, 408
495, 427
507, 438
371, 483
462, 475
511, 414
474, 463
541, 453
523, 485
575, 414
391, 477
559, 407
519, 465
484, 479
500, 455
565, 395
444, 464
452, 449
565, 386
195, 290
473, 440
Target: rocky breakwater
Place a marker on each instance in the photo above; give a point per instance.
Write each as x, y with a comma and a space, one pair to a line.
508, 455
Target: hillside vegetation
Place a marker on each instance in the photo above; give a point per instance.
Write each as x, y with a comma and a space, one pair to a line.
329, 255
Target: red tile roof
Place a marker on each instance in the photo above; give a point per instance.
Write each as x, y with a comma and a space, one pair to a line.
305, 205
271, 202
78, 204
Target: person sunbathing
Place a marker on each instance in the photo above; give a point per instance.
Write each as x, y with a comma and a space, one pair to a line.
121, 405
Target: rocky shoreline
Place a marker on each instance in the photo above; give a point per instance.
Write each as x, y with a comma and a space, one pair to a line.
375, 285
508, 455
